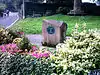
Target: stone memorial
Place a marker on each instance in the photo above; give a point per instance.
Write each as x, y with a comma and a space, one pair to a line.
53, 32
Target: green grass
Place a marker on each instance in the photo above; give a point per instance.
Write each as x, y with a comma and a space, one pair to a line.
34, 25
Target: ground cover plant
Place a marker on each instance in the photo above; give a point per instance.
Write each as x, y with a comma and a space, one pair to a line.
34, 25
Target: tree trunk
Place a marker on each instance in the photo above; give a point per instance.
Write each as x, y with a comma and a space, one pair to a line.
77, 5
76, 8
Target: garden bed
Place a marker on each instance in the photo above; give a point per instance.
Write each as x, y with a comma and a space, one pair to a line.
78, 55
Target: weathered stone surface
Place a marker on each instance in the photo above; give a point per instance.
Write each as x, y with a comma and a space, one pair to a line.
53, 32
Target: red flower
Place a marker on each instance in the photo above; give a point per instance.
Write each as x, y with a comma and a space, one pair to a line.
21, 33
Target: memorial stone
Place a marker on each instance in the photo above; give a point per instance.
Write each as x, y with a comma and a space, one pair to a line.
53, 32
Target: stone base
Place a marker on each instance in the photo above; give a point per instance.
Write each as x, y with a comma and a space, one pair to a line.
47, 44
76, 13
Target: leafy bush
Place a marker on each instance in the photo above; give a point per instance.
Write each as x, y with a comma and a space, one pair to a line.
79, 54
63, 10
23, 43
15, 65
41, 54
12, 63
43, 67
7, 36
2, 6
24, 65
15, 34
17, 40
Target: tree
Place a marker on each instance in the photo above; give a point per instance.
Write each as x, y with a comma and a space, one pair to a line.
76, 8
2, 6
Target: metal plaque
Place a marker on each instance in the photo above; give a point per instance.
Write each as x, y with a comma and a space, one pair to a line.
51, 30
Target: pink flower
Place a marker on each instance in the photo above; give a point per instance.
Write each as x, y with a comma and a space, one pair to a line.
45, 55
35, 55
34, 48
8, 45
10, 48
40, 54
3, 48
13, 46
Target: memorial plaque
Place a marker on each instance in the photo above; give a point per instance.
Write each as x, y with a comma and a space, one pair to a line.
53, 32
94, 72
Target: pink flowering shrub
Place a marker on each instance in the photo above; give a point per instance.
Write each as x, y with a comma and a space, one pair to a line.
35, 48
10, 48
35, 52
41, 54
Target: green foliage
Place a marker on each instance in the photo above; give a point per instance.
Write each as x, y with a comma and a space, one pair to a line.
15, 64
17, 40
2, 6
9, 36
79, 54
24, 65
14, 33
6, 36
24, 43
43, 67
63, 10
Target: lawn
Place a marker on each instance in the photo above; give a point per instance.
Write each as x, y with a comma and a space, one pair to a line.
34, 25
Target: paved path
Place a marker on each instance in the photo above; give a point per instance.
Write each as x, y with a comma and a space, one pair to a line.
37, 38
8, 21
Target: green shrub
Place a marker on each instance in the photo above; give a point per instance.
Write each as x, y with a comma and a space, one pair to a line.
63, 10
2, 6
7, 36
15, 65
43, 67
24, 44
15, 34
24, 65
79, 54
